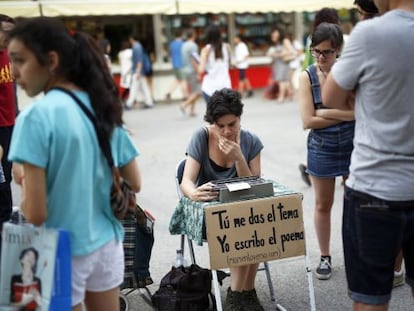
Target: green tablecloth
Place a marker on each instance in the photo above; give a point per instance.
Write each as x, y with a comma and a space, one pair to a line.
188, 216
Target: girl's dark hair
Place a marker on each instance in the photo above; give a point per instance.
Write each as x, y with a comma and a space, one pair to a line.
80, 61
213, 37
328, 31
35, 252
223, 102
325, 15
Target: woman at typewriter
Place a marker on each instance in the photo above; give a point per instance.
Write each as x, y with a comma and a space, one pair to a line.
224, 150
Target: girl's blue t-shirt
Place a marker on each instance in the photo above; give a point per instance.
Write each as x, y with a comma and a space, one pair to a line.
56, 135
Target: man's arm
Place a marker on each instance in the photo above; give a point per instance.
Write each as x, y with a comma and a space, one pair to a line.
334, 96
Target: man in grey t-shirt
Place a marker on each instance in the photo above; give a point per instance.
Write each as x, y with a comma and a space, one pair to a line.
377, 63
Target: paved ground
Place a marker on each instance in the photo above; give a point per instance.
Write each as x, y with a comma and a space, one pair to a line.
162, 134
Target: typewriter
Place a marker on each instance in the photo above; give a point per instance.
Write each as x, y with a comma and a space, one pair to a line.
243, 188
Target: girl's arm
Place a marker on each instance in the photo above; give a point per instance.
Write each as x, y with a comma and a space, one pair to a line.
34, 194
310, 120
131, 173
336, 114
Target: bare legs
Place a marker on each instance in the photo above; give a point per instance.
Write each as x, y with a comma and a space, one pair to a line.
190, 102
244, 85
242, 278
284, 91
100, 301
364, 307
324, 196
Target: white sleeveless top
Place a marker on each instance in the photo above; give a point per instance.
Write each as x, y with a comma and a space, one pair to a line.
217, 76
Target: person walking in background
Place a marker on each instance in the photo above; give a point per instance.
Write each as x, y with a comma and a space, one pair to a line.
241, 55
378, 217
191, 60
139, 82
7, 119
281, 52
149, 58
330, 138
175, 48
223, 150
66, 179
105, 47
214, 63
125, 64
295, 64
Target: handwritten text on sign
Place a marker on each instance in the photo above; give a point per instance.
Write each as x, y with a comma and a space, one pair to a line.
253, 231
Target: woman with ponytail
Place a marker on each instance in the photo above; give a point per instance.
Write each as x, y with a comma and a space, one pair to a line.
66, 179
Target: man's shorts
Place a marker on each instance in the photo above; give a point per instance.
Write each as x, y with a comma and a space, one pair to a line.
99, 271
178, 73
373, 232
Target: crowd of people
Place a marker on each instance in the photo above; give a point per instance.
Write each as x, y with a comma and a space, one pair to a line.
354, 99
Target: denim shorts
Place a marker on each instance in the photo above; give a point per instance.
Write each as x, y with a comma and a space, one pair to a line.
329, 152
373, 232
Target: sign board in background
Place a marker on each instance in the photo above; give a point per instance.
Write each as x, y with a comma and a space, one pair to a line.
253, 231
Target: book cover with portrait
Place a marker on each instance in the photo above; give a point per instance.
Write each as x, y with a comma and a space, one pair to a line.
27, 266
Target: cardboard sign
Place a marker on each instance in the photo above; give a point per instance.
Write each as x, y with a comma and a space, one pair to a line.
253, 231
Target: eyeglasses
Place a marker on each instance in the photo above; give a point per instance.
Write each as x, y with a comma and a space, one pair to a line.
325, 53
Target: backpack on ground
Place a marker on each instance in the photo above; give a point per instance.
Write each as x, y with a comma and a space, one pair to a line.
185, 289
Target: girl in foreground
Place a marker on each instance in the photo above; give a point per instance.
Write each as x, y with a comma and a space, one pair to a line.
66, 179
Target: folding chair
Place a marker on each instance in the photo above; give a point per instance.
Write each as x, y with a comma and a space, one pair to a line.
178, 179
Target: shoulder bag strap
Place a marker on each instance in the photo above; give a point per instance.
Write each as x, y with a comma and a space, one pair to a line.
316, 88
103, 143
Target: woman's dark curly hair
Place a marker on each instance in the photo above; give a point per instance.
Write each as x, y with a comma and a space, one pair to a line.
223, 102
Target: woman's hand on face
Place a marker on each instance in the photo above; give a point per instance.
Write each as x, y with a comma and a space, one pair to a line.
230, 148
205, 192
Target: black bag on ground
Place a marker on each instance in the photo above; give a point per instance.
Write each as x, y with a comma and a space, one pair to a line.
185, 289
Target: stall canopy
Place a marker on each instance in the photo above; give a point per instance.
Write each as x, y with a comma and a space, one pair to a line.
241, 6
20, 8
86, 7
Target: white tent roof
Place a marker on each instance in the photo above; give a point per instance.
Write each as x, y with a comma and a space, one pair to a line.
19, 8
241, 6
24, 8
106, 7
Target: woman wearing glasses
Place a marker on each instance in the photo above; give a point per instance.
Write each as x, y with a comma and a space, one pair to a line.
330, 138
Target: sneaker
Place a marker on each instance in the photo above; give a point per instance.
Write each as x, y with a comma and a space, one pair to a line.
233, 301
250, 301
304, 175
323, 271
398, 279
249, 93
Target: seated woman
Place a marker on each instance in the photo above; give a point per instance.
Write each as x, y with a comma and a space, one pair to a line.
218, 151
